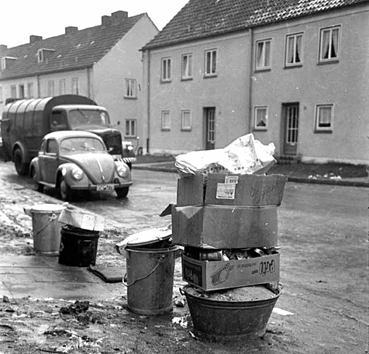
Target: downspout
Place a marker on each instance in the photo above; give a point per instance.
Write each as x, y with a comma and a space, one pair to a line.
148, 103
250, 77
38, 85
88, 82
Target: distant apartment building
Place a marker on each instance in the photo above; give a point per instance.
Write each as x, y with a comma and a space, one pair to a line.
290, 72
103, 62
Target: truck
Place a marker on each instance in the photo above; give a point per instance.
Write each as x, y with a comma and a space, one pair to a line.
26, 121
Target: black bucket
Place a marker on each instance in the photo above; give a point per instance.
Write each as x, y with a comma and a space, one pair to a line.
78, 247
226, 321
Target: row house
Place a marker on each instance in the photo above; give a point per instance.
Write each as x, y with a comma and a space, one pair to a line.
292, 72
103, 63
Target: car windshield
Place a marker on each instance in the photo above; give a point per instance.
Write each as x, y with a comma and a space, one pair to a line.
87, 117
81, 145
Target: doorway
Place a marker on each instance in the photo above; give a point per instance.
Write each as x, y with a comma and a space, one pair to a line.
290, 114
209, 120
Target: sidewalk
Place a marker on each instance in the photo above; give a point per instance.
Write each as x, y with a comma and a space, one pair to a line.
306, 174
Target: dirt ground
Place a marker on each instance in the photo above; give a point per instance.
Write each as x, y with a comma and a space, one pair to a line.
328, 314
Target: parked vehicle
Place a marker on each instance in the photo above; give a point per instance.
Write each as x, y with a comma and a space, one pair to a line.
25, 122
73, 161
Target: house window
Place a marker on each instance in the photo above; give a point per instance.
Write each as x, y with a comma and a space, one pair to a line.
263, 54
30, 90
3, 63
1, 95
21, 91
186, 120
261, 118
166, 69
130, 127
329, 38
211, 62
324, 117
186, 66
294, 50
165, 120
50, 88
131, 88
13, 91
62, 87
75, 88
40, 55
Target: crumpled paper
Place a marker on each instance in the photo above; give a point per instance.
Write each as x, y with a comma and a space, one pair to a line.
245, 155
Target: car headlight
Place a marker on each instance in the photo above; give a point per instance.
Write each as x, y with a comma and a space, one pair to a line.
77, 173
122, 170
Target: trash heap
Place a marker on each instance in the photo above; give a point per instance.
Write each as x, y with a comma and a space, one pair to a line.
226, 220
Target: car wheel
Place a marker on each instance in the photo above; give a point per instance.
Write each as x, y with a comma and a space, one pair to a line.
20, 166
64, 190
35, 177
122, 192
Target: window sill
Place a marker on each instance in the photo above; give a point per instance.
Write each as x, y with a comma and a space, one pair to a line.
186, 129
165, 129
323, 131
165, 81
291, 66
210, 76
262, 70
130, 98
260, 129
186, 78
333, 61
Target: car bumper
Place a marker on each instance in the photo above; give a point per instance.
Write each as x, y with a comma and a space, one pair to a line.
94, 187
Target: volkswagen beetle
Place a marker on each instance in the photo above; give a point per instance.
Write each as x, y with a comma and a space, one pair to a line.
78, 161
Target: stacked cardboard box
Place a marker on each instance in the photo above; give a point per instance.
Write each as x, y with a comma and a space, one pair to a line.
218, 212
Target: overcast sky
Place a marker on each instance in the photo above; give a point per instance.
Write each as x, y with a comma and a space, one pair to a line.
48, 18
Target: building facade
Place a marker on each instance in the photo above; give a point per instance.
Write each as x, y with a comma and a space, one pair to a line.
287, 71
103, 63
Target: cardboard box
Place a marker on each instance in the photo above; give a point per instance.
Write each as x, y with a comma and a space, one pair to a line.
223, 227
217, 275
81, 219
221, 189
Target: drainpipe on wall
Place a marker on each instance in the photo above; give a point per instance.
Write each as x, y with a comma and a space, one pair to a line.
250, 77
148, 103
38, 85
88, 82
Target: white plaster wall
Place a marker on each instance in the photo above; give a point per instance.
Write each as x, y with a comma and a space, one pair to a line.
124, 61
227, 92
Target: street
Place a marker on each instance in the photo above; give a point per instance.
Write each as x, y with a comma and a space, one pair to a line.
323, 239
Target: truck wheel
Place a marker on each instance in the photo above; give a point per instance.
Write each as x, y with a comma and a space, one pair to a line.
64, 190
20, 166
35, 177
122, 192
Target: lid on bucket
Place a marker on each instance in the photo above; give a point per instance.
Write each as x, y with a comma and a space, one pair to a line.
47, 208
149, 237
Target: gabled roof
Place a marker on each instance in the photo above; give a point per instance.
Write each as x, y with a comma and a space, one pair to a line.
203, 18
76, 50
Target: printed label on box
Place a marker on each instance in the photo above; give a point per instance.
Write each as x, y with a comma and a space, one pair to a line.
226, 191
231, 179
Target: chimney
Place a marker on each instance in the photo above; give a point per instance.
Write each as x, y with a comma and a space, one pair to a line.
3, 48
71, 30
33, 38
119, 16
105, 20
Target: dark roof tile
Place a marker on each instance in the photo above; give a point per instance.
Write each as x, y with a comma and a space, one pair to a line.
203, 18
80, 49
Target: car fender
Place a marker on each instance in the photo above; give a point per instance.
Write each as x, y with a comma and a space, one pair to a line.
34, 165
63, 171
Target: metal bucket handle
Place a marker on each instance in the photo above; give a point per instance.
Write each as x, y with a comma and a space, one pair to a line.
162, 257
52, 217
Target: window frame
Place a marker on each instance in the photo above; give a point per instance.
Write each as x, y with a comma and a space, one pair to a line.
13, 91
187, 68
185, 127
330, 59
166, 69
294, 63
62, 86
131, 88
318, 107
51, 88
1, 94
164, 126
263, 67
211, 70
131, 122
266, 117
30, 93
75, 85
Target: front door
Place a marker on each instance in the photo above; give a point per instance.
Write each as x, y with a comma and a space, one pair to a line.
291, 128
209, 116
